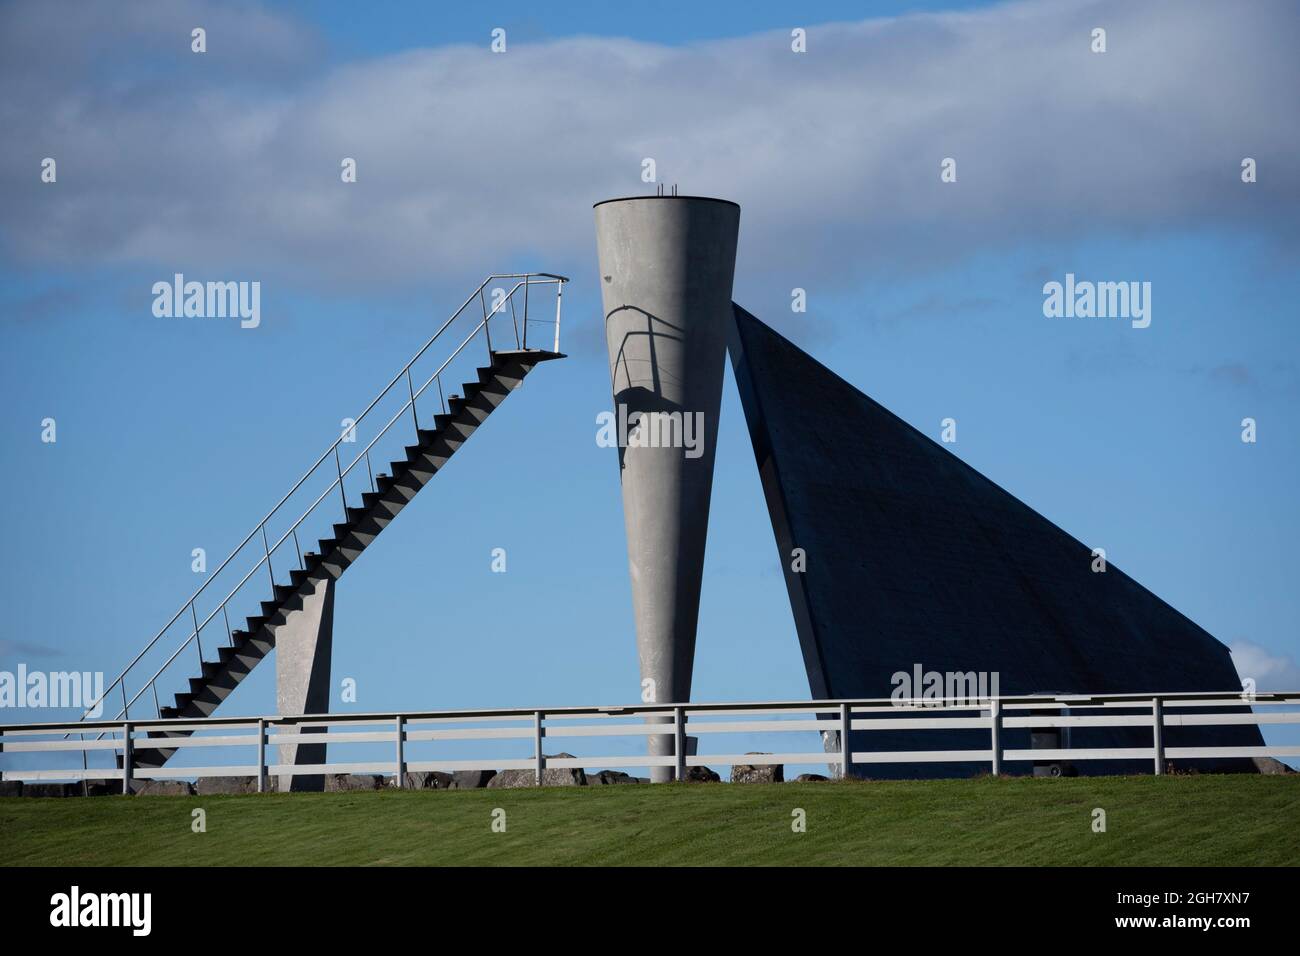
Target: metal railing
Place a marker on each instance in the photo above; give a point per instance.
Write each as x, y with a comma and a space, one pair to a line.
1150, 712
520, 321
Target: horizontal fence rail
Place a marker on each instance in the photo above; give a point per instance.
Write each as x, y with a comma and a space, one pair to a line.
834, 719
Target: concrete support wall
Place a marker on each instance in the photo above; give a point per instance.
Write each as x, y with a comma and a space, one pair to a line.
666, 268
915, 563
303, 649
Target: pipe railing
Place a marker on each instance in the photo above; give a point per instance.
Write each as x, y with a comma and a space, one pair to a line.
834, 719
525, 281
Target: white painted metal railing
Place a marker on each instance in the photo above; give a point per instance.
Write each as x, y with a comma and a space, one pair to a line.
1153, 712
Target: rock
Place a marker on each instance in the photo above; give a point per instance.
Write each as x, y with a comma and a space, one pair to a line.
470, 779
164, 788
427, 780
512, 778
609, 777
1271, 765
213, 786
102, 788
51, 789
345, 782
11, 788
551, 776
701, 775
757, 773
810, 778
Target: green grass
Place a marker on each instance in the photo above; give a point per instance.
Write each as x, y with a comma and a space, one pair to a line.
1190, 820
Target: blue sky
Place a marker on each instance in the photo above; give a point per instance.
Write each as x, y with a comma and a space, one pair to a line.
175, 434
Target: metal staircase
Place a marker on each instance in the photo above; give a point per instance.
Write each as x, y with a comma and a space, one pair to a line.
337, 479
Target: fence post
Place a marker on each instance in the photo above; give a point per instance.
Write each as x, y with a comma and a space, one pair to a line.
539, 762
261, 755
526, 284
338, 465
846, 749
995, 729
1158, 732
415, 416
487, 333
679, 742
559, 296
401, 751
127, 755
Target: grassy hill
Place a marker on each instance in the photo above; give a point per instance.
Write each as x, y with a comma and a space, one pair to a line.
1190, 820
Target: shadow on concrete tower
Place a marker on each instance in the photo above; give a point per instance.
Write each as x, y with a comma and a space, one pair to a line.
666, 269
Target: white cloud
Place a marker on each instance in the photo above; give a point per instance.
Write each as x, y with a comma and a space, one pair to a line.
466, 158
1271, 672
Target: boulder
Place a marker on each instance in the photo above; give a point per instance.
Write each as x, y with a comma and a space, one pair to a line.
11, 788
51, 789
1271, 765
606, 778
427, 780
701, 775
164, 788
810, 778
345, 782
470, 779
102, 788
757, 773
551, 776
214, 786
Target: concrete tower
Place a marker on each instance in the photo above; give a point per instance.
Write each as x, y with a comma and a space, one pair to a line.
666, 268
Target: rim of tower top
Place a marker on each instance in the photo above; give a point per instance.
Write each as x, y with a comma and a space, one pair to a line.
727, 202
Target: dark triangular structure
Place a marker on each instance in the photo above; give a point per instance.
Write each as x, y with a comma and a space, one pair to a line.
914, 558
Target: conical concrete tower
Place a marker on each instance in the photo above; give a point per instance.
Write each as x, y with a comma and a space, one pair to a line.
666, 268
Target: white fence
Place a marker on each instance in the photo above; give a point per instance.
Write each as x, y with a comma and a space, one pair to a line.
832, 718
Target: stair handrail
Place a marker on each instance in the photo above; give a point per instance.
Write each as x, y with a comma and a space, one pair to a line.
527, 279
